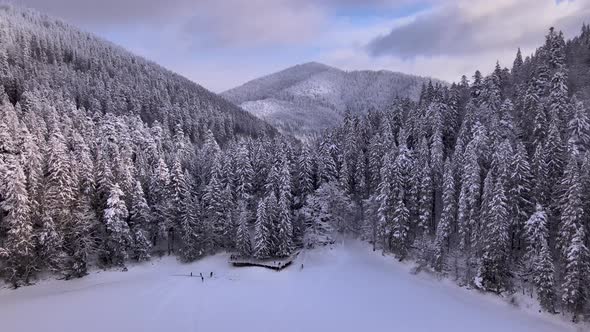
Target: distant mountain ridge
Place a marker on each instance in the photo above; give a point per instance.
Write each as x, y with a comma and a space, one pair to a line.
307, 98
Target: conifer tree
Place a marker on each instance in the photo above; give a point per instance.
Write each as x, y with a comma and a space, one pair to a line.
243, 241
493, 272
578, 129
305, 176
159, 202
447, 220
520, 190
118, 234
575, 279
284, 228
425, 202
19, 246
540, 172
262, 237
244, 173
571, 206
139, 220
543, 277
214, 208
469, 198
79, 239
192, 234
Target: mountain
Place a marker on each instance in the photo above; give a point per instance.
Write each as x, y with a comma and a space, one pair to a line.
310, 97
39, 53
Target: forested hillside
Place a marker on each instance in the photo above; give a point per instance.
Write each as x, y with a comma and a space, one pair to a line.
486, 181
105, 156
305, 99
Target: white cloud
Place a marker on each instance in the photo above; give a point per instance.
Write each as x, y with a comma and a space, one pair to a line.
479, 26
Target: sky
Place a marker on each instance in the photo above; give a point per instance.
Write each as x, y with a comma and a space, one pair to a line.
222, 44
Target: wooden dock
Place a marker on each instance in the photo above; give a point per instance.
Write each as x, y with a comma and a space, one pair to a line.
272, 263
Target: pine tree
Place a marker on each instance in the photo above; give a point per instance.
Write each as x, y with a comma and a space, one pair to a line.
555, 151
19, 250
118, 234
139, 221
79, 239
326, 164
543, 277
179, 191
578, 130
244, 173
536, 230
192, 234
538, 258
469, 198
443, 230
493, 272
215, 210
262, 237
305, 176
571, 206
317, 214
519, 194
50, 242
425, 202
243, 241
59, 186
159, 202
541, 173
284, 228
577, 269
558, 98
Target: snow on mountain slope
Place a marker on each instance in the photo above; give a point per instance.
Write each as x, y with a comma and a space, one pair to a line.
288, 118
313, 88
326, 295
268, 86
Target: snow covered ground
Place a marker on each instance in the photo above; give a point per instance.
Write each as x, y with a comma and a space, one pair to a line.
348, 288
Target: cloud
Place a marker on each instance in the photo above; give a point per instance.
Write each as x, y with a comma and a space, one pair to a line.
479, 26
222, 43
110, 11
238, 23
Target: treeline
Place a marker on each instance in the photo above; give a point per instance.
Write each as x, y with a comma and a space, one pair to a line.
487, 181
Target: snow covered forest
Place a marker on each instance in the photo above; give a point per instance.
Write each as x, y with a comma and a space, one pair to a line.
107, 158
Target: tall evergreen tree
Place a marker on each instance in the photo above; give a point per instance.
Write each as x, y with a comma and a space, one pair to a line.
262, 237
19, 246
118, 234
577, 269
243, 240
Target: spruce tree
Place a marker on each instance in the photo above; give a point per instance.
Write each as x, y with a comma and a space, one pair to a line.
571, 206
118, 234
284, 229
305, 176
493, 272
19, 245
578, 130
447, 220
262, 237
139, 221
243, 241
575, 280
543, 270
80, 239
192, 234
159, 194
